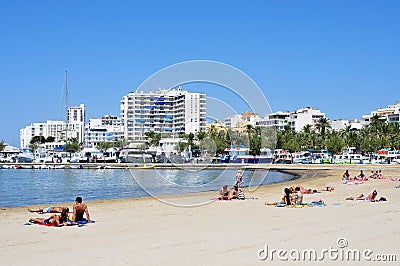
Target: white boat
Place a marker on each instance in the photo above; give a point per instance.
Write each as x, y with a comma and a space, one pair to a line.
282, 157
26, 156
302, 157
351, 158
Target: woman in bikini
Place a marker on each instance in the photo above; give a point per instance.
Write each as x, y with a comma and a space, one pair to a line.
55, 219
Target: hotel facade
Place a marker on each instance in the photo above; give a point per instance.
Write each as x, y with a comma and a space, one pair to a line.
168, 112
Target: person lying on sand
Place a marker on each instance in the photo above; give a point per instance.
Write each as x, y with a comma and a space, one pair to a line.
50, 209
371, 197
303, 190
55, 219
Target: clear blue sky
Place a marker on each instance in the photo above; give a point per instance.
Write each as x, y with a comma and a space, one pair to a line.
340, 56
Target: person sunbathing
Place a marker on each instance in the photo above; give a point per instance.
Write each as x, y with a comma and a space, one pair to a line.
55, 219
237, 193
287, 199
371, 197
361, 177
346, 175
224, 193
50, 209
374, 175
298, 196
380, 175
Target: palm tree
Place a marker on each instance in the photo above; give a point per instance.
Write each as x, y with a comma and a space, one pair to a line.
323, 125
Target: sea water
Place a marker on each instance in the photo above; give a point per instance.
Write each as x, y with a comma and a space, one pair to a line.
23, 187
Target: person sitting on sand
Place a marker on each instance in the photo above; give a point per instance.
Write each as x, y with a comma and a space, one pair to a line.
224, 193
55, 219
361, 177
371, 197
374, 175
50, 209
380, 175
237, 193
298, 196
286, 199
346, 175
80, 209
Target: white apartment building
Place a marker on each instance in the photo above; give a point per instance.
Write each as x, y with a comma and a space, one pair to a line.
233, 121
105, 129
278, 119
304, 116
56, 129
339, 124
389, 114
168, 112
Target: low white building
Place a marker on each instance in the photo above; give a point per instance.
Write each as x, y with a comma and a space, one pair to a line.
105, 129
389, 114
233, 121
278, 120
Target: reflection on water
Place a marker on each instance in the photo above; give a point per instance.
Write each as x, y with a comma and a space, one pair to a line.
47, 186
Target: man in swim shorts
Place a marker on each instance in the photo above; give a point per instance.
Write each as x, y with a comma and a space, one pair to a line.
79, 210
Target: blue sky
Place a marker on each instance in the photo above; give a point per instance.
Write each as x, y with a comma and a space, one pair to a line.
340, 56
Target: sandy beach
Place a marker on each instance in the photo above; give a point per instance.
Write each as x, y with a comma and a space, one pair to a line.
148, 231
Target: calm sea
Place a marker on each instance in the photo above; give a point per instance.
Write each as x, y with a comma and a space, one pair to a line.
23, 187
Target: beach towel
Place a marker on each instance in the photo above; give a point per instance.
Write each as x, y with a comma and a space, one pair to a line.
352, 182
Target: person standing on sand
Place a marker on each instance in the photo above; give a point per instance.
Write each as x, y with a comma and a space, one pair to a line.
239, 178
80, 209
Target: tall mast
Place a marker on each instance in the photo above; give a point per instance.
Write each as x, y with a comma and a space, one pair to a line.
66, 105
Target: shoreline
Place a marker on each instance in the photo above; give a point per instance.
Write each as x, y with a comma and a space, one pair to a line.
200, 166
146, 231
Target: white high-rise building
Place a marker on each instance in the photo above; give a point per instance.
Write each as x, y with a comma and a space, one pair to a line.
304, 116
389, 114
168, 112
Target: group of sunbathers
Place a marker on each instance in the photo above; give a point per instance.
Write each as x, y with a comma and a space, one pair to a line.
376, 175
290, 197
361, 177
61, 215
226, 194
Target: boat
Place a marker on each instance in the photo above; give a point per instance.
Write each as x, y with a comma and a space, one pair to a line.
26, 156
386, 156
282, 157
237, 155
351, 158
303, 157
135, 156
145, 166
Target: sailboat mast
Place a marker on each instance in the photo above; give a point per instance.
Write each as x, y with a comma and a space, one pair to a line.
66, 106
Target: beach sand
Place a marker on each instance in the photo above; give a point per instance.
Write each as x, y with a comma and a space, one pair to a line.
148, 231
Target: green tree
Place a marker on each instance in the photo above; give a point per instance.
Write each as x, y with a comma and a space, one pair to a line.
72, 147
2, 145
38, 140
50, 139
103, 146
153, 138
323, 125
